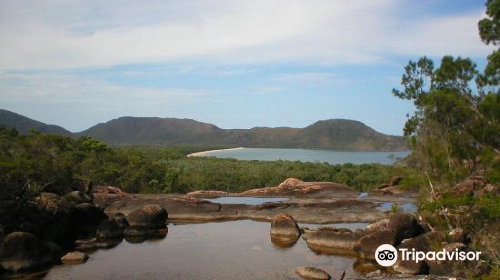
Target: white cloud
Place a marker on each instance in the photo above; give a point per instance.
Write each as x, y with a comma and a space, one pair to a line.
72, 34
86, 101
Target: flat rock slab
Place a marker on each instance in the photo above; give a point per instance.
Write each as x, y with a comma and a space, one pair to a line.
74, 257
312, 273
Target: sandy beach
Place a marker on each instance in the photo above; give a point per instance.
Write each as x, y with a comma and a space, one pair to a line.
204, 153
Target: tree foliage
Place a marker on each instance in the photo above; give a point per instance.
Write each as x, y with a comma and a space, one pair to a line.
455, 130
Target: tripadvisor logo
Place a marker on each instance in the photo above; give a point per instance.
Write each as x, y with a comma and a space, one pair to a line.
387, 255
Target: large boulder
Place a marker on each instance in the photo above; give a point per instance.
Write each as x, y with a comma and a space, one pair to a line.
109, 229
149, 216
87, 214
404, 226
24, 251
332, 240
368, 244
312, 273
284, 225
120, 219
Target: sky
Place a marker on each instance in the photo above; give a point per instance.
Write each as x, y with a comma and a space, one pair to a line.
233, 63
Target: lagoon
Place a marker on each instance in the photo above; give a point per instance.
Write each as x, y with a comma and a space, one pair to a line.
304, 155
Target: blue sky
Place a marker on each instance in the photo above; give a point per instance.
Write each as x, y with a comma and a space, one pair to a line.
236, 64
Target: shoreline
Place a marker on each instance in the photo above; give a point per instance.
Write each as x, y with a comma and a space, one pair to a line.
197, 154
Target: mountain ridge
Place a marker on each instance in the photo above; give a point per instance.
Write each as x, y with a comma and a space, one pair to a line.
332, 134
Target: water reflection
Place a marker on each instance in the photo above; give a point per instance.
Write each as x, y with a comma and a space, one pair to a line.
229, 250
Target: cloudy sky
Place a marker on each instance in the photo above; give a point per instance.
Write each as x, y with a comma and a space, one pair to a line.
234, 63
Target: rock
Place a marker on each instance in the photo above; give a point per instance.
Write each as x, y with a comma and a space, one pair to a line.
481, 268
284, 225
292, 186
404, 226
149, 216
377, 226
94, 244
54, 248
23, 251
312, 273
74, 257
466, 188
419, 243
457, 235
207, 194
331, 239
50, 202
2, 234
120, 219
283, 241
395, 180
77, 197
136, 231
87, 214
368, 244
108, 229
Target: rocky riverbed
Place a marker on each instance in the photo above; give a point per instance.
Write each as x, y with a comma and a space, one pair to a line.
108, 215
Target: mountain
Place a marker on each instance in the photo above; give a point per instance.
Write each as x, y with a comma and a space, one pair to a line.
23, 124
329, 134
146, 131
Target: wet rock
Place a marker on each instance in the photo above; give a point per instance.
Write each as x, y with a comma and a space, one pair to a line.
327, 238
93, 244
312, 273
368, 244
404, 226
457, 235
74, 257
109, 229
377, 226
23, 251
149, 216
284, 225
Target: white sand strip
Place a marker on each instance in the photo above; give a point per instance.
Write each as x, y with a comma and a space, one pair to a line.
211, 151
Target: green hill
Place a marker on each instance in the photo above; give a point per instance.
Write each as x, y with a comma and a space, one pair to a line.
23, 124
146, 131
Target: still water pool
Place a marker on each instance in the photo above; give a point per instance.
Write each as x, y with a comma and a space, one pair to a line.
332, 157
245, 200
227, 250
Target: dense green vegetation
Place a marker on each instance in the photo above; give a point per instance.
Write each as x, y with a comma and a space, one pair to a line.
40, 162
454, 135
137, 131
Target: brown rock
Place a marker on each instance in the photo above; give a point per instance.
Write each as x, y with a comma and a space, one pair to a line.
74, 257
377, 226
22, 250
207, 194
312, 273
404, 226
284, 225
368, 244
327, 238
420, 243
150, 216
292, 186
